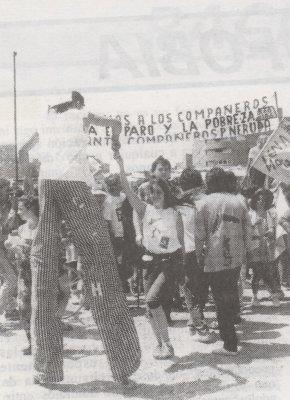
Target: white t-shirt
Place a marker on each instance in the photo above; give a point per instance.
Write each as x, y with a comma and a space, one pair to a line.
187, 214
112, 212
25, 236
63, 147
26, 233
159, 230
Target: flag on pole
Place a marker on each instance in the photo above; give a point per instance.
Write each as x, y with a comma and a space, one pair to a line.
274, 158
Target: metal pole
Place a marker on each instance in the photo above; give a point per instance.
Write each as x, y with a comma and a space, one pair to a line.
15, 121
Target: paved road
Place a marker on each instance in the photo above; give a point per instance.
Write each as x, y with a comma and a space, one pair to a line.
261, 371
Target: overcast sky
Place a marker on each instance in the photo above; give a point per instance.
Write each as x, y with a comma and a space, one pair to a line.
133, 55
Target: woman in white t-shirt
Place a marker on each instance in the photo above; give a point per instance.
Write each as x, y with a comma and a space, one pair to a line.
164, 249
20, 242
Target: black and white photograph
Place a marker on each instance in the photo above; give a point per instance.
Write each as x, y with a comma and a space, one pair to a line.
145, 199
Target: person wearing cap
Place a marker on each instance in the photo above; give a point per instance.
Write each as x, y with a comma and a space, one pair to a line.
65, 195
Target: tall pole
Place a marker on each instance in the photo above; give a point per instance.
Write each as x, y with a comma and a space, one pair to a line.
15, 121
279, 110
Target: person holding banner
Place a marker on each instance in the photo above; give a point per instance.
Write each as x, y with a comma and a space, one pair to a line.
160, 169
257, 178
65, 195
163, 240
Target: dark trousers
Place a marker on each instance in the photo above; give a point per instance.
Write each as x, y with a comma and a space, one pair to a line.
285, 263
123, 269
72, 201
224, 287
196, 285
268, 272
158, 278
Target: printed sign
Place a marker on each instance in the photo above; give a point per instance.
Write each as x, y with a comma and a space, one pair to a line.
274, 159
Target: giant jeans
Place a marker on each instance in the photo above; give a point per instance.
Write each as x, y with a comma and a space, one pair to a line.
72, 201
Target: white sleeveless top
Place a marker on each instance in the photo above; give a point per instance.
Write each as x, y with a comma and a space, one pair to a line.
159, 230
63, 147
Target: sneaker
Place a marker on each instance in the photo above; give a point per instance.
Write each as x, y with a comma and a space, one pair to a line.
224, 352
255, 302
204, 336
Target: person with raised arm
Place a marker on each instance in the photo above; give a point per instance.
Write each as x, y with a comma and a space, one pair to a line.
162, 232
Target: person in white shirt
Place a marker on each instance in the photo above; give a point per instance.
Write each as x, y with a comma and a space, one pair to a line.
196, 285
65, 195
20, 243
162, 233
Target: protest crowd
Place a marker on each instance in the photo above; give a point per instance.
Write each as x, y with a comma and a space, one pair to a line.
176, 244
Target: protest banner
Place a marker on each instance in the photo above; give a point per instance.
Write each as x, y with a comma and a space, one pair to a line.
274, 158
147, 134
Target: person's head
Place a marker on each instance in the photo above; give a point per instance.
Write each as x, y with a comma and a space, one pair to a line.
262, 138
189, 179
216, 180
160, 195
113, 183
191, 183
100, 197
262, 200
28, 208
4, 190
231, 182
77, 100
161, 168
